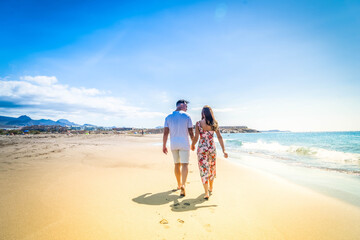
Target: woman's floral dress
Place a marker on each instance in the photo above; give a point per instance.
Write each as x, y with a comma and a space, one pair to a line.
206, 155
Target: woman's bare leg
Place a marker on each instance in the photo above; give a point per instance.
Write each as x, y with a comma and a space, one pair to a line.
206, 188
211, 182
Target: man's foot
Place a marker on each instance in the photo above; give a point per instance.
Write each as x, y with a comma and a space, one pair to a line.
182, 191
210, 191
206, 197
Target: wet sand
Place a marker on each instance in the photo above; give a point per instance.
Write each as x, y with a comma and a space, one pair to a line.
121, 187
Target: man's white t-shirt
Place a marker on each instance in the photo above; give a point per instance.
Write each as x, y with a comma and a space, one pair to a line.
178, 123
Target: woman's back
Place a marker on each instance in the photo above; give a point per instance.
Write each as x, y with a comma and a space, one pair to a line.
206, 136
204, 126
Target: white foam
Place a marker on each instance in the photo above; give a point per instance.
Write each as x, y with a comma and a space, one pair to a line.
335, 156
319, 153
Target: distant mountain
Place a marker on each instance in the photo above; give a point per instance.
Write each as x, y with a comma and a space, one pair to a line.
67, 122
27, 121
4, 120
20, 121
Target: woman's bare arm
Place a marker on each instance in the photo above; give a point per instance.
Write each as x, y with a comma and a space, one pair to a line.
195, 139
218, 134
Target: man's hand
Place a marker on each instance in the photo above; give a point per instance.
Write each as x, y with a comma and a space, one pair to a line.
192, 147
165, 150
165, 137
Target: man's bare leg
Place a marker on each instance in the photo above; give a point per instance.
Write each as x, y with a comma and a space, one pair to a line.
184, 173
178, 174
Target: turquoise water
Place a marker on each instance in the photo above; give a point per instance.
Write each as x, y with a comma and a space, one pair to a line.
327, 151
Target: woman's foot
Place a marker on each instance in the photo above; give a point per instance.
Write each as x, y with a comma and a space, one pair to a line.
206, 197
182, 191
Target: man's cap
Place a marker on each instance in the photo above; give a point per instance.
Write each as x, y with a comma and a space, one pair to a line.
181, 101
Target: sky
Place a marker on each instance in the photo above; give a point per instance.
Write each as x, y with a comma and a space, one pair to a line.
287, 65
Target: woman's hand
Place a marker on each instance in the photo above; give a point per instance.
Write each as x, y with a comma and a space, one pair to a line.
225, 155
192, 147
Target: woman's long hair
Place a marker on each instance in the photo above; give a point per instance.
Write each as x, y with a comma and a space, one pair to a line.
208, 114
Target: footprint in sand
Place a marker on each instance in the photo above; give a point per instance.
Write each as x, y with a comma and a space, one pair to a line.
187, 204
180, 221
164, 221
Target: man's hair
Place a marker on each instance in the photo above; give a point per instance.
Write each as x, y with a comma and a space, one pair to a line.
181, 101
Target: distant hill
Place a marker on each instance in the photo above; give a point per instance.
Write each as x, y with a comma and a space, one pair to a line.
67, 122
27, 121
4, 120
237, 129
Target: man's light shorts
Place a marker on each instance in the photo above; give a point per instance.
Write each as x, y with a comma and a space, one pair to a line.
181, 156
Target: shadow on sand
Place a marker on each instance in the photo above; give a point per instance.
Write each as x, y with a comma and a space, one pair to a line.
179, 204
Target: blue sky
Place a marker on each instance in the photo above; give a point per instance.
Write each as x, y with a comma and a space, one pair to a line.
289, 65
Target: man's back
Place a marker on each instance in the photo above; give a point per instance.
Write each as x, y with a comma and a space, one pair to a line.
178, 123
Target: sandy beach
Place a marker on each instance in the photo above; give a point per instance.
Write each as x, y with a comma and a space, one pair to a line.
121, 187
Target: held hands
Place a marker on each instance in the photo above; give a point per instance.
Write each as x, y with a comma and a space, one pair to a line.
192, 147
165, 150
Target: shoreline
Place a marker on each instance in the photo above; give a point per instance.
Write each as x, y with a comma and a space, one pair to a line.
342, 186
120, 187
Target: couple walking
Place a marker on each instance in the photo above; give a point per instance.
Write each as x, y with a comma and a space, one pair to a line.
180, 127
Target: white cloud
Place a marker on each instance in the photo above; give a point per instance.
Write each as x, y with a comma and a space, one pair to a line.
41, 80
46, 94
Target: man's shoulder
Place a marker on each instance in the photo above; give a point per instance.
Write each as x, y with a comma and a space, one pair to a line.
178, 114
170, 115
185, 114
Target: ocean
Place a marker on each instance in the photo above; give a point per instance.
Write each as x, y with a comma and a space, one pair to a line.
329, 151
327, 162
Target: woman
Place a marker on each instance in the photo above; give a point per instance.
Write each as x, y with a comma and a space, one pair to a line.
206, 148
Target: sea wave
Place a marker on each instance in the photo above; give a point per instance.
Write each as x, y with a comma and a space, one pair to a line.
279, 150
233, 142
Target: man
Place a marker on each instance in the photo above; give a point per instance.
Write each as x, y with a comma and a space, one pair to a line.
180, 127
